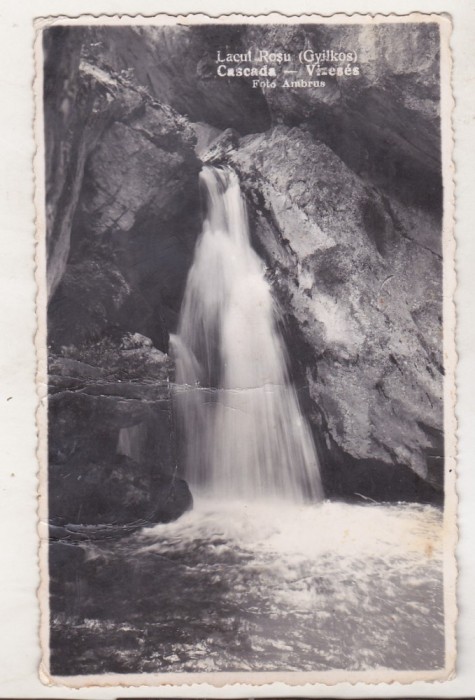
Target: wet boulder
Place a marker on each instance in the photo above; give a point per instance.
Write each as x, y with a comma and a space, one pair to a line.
111, 436
358, 278
118, 492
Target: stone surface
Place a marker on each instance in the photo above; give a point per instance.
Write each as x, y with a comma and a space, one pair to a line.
122, 193
384, 122
122, 492
344, 192
122, 181
178, 66
111, 437
359, 280
79, 101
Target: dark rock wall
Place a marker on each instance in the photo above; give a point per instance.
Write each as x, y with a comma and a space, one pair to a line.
111, 450
122, 204
359, 277
130, 239
73, 116
344, 192
383, 123
177, 65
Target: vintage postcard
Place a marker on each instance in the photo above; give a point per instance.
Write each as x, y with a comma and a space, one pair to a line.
245, 264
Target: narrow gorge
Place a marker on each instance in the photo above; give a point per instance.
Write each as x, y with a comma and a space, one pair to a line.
347, 220
245, 351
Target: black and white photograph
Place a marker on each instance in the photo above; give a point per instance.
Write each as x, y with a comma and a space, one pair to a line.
246, 262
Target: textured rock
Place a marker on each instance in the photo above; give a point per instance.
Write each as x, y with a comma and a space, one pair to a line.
122, 492
78, 104
146, 162
138, 210
344, 197
126, 235
178, 66
359, 279
101, 388
111, 437
383, 123
93, 297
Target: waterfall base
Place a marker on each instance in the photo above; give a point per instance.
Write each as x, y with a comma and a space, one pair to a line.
258, 587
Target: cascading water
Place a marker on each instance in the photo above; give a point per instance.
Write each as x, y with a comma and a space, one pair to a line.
244, 433
242, 583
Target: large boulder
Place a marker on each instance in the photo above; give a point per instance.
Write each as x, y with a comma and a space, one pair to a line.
111, 437
118, 493
128, 240
359, 279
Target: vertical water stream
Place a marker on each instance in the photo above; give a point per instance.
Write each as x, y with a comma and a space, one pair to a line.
244, 433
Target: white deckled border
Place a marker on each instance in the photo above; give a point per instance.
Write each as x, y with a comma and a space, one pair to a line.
221, 679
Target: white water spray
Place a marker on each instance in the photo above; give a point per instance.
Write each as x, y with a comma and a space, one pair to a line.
244, 433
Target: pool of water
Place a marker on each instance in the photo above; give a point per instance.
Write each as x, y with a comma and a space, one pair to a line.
262, 586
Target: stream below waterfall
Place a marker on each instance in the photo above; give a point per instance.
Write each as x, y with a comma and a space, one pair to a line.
263, 574
263, 586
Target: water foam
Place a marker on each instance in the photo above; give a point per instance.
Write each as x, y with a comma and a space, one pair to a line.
240, 420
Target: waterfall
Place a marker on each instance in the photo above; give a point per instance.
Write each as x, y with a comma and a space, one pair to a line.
238, 413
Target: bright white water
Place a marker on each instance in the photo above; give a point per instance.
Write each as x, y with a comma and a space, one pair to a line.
244, 433
306, 587
238, 585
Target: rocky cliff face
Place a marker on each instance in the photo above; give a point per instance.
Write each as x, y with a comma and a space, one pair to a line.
177, 65
343, 187
358, 277
122, 199
384, 122
111, 450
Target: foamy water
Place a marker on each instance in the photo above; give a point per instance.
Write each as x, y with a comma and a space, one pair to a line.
309, 587
263, 586
238, 413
